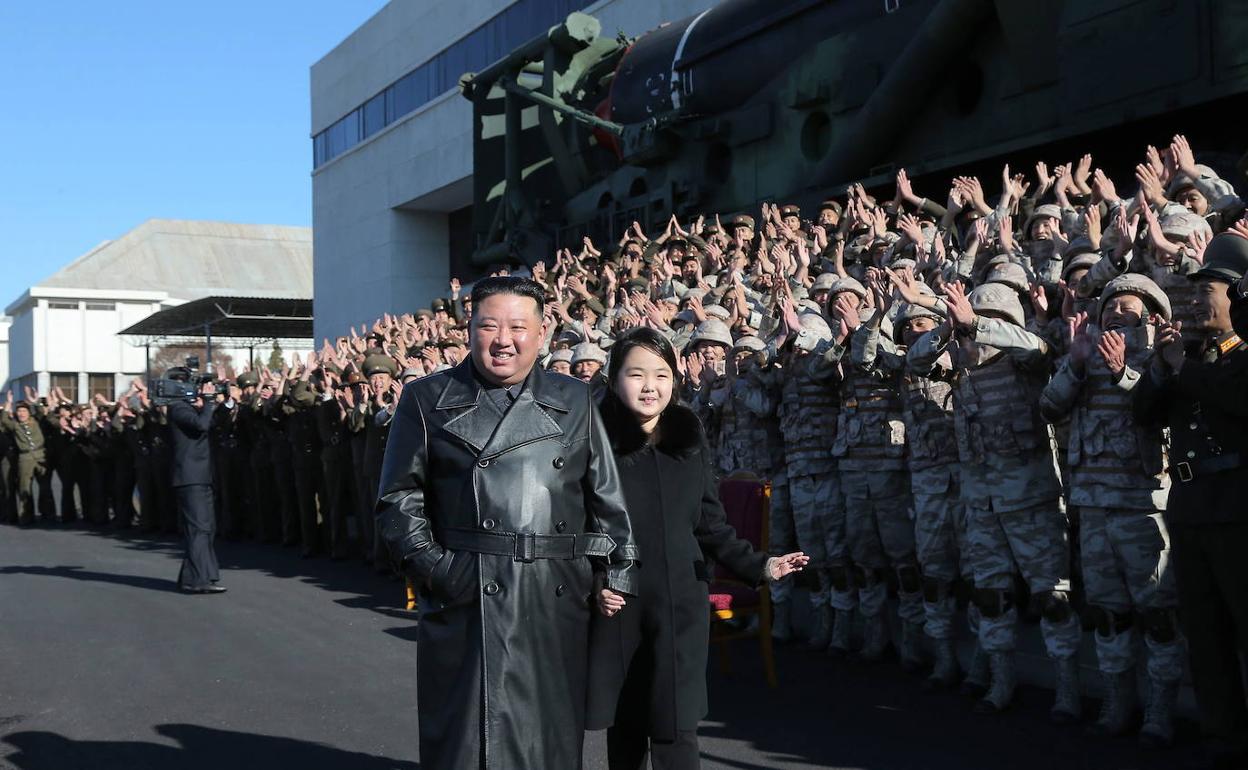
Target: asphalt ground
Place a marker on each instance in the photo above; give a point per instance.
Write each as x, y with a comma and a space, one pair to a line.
311, 664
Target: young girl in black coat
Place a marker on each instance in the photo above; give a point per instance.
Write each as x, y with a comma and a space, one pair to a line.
648, 657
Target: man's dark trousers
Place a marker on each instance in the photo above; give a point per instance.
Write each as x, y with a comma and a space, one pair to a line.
199, 526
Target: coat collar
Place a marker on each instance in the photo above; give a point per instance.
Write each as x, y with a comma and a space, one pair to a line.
525, 422
680, 430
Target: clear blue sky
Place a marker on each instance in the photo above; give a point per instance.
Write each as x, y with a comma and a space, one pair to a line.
114, 113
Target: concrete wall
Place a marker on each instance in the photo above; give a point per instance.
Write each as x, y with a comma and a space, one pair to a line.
379, 209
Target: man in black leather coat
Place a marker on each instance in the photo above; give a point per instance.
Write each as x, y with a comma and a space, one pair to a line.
497, 489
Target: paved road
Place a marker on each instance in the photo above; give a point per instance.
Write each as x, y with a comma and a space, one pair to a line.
310, 664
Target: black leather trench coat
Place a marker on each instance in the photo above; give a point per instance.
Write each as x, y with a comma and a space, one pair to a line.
501, 666
650, 658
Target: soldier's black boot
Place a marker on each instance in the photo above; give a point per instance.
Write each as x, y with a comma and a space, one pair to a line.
823, 628
945, 668
842, 629
1158, 729
874, 638
912, 647
977, 676
1001, 693
1067, 707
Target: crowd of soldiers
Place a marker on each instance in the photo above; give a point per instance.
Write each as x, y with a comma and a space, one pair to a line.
962, 405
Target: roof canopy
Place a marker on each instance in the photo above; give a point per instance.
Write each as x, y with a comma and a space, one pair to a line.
235, 317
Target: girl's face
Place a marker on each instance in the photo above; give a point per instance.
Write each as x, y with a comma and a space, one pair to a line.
644, 384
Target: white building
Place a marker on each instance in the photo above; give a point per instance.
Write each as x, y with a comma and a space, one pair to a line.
392, 142
64, 330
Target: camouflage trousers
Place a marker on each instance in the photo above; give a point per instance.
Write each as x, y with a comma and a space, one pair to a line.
880, 534
939, 541
819, 523
1031, 540
781, 537
1126, 571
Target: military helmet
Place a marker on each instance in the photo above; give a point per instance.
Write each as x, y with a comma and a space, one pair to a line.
999, 300
1040, 212
247, 380
1184, 223
749, 342
717, 311
1083, 261
588, 351
1207, 175
909, 311
712, 330
1081, 244
814, 330
1010, 274
1226, 259
378, 363
824, 281
1140, 285
848, 284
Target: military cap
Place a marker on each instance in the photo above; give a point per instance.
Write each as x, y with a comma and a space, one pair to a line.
1206, 174
676, 243
1040, 212
741, 220
355, 378
1226, 259
567, 337
378, 363
694, 292
423, 312
438, 304
637, 284
670, 299
790, 210
1078, 245
248, 380
560, 355
588, 351
999, 300
712, 330
1141, 286
831, 204
411, 372
717, 311
808, 305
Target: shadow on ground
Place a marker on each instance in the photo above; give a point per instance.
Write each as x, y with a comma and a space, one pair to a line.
198, 748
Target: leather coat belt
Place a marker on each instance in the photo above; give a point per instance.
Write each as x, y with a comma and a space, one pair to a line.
527, 546
1186, 471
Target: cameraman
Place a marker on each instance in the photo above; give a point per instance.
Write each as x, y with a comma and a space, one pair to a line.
192, 482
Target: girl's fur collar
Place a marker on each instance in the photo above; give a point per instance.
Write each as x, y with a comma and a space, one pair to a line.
680, 430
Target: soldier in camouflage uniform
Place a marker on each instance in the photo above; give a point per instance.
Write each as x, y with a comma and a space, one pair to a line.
750, 439
1009, 482
932, 453
808, 412
1118, 481
870, 449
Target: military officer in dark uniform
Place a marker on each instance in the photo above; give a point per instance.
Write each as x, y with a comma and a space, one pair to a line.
192, 479
229, 469
1197, 391
305, 460
336, 463
375, 417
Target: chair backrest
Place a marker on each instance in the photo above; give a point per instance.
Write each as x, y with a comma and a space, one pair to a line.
746, 504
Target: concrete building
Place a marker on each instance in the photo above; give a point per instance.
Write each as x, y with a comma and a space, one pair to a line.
392, 142
64, 330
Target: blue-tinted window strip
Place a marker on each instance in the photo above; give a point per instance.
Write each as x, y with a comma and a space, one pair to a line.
475, 51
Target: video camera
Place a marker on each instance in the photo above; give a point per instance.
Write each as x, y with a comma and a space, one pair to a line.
183, 383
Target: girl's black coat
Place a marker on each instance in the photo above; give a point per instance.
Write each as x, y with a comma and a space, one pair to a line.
651, 657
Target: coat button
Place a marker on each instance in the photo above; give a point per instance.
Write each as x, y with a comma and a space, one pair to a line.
1190, 455
491, 588
559, 461
484, 463
560, 590
487, 524
561, 526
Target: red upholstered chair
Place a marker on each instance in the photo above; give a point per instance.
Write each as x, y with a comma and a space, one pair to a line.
747, 503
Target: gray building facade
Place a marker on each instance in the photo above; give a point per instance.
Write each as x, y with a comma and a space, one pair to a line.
392, 143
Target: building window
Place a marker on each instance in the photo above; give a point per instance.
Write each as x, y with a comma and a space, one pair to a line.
473, 52
101, 306
102, 384
67, 382
62, 305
